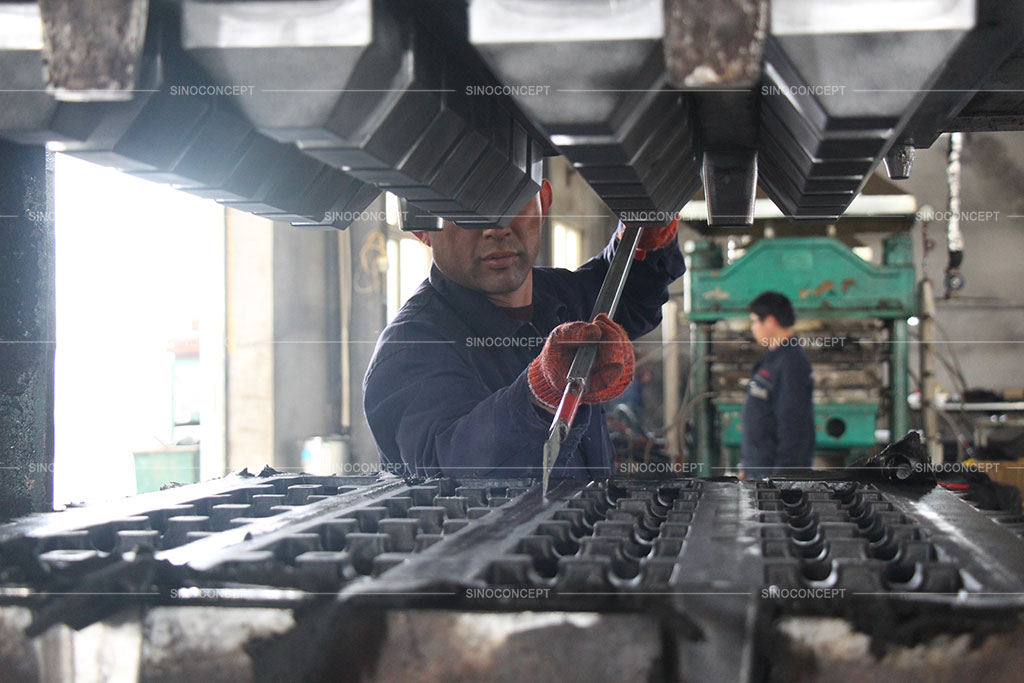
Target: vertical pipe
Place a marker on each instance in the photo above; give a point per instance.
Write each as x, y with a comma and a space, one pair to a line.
670, 371
332, 328
954, 236
27, 329
703, 419
345, 306
899, 365
926, 358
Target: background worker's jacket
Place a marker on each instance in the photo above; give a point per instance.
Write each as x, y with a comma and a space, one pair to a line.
446, 389
778, 416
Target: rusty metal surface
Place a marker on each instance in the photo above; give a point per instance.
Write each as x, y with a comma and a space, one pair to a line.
719, 48
828, 649
92, 50
27, 329
511, 647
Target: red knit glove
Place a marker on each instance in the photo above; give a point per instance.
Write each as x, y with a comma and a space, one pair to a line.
613, 365
654, 237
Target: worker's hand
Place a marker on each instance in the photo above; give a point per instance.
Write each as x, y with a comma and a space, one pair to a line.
612, 370
655, 237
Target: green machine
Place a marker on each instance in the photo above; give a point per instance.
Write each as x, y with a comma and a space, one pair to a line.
830, 286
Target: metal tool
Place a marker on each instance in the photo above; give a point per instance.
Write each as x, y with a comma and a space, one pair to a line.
579, 371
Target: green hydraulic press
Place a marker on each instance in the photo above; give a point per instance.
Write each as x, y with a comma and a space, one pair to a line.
826, 281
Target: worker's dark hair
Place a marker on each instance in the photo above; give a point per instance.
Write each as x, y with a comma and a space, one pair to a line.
774, 304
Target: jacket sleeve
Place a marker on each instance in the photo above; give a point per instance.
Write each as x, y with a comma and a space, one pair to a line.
792, 424
646, 288
427, 407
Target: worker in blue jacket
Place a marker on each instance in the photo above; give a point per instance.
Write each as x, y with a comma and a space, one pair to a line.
465, 380
778, 416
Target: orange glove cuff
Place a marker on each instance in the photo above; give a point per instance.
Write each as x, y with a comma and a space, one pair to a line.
654, 238
610, 375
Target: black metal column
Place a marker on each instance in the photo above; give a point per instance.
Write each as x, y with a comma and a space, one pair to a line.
27, 329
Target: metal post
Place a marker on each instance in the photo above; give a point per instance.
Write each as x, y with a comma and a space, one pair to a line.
898, 251
670, 373
926, 358
27, 329
703, 418
899, 365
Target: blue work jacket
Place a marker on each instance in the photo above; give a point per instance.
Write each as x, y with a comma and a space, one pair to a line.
446, 389
778, 415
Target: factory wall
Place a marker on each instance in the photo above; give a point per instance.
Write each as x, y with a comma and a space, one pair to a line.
984, 322
366, 321
289, 291
305, 340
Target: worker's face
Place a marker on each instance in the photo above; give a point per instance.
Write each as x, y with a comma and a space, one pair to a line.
762, 329
495, 260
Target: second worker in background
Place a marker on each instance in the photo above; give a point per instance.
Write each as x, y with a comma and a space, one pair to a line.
778, 415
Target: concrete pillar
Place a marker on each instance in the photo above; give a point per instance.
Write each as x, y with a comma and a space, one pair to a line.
250, 351
27, 329
363, 319
305, 339
213, 354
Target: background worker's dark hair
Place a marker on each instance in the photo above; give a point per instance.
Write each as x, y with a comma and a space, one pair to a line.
773, 303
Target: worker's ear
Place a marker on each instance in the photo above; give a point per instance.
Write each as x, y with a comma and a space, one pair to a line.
422, 236
546, 194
